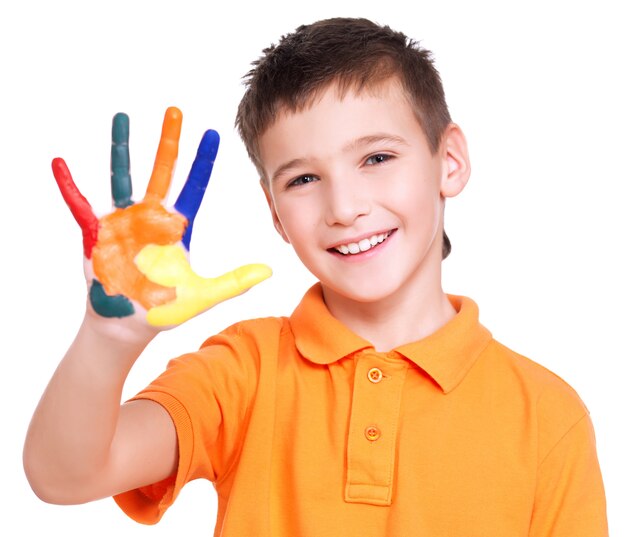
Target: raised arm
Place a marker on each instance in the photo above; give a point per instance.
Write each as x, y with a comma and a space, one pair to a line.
81, 444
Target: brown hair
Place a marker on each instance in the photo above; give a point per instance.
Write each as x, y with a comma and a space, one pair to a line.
352, 53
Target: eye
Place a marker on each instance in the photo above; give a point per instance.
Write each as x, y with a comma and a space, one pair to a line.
302, 180
378, 158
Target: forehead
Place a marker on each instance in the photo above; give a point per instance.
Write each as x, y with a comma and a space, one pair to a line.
334, 118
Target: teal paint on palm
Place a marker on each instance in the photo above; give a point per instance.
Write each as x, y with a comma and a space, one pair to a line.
109, 306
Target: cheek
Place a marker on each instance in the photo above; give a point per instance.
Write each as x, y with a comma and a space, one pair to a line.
430, 203
419, 208
417, 198
295, 222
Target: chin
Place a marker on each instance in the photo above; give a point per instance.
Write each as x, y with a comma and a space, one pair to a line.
366, 294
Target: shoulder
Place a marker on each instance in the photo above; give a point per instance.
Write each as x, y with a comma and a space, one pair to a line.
555, 406
243, 344
251, 334
531, 372
538, 381
232, 357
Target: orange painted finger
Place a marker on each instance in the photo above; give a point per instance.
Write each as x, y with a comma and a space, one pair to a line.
166, 155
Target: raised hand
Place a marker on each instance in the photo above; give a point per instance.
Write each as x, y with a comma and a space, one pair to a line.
136, 256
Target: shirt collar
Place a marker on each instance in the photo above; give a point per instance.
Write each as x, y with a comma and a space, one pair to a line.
446, 355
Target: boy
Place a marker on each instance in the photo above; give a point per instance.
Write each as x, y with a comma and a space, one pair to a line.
381, 406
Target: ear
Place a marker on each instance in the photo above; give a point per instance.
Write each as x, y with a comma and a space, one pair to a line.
270, 202
456, 165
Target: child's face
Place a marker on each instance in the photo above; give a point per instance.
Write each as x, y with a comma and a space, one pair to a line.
355, 189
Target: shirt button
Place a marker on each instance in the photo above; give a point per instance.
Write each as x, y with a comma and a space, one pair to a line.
375, 375
372, 433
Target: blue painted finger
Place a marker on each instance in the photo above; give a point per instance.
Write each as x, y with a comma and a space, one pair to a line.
121, 185
191, 195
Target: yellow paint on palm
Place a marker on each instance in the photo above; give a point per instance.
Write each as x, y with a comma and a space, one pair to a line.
167, 265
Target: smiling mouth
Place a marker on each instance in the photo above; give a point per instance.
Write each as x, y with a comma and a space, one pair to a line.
353, 248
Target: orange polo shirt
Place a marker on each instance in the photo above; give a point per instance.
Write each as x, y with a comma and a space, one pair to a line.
306, 430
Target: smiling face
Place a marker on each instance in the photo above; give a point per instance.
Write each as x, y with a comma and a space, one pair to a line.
354, 188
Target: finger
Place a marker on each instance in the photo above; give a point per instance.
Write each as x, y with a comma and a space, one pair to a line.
200, 294
78, 204
121, 185
166, 156
235, 282
191, 195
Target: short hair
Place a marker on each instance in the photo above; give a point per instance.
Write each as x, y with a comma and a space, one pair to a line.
355, 54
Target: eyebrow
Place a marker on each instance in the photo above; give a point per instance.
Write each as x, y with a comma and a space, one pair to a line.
374, 139
350, 146
284, 168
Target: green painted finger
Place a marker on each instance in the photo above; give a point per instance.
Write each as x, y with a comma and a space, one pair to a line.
121, 185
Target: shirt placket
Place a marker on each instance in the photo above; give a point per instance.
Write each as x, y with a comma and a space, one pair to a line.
376, 399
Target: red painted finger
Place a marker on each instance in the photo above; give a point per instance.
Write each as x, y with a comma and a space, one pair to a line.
78, 204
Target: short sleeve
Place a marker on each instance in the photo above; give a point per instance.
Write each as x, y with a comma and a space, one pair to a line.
207, 395
570, 500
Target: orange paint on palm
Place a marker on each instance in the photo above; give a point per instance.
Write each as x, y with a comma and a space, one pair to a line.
121, 236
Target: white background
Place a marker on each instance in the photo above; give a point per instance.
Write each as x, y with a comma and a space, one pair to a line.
538, 235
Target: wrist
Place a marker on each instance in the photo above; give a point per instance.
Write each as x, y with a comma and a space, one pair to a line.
129, 334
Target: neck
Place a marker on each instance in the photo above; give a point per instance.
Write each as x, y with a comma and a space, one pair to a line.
396, 320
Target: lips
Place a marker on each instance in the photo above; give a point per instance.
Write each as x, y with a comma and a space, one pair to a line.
363, 245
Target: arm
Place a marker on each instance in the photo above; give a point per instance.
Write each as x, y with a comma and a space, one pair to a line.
81, 445
570, 498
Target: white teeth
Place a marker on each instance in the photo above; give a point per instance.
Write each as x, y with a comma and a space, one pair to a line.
363, 245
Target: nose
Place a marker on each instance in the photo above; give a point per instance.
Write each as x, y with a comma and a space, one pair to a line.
346, 200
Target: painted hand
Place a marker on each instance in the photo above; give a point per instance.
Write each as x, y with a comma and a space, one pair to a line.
136, 256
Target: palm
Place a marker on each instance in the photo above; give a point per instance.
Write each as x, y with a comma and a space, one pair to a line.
136, 256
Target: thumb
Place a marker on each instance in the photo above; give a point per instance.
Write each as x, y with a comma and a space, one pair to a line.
238, 281
168, 265
198, 294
